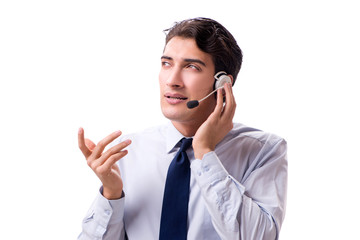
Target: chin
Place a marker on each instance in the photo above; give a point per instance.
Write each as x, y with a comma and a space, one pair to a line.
178, 113
172, 115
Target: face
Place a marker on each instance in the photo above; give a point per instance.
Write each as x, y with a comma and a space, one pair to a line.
187, 73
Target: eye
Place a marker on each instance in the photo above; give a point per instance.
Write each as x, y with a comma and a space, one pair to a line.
192, 66
165, 64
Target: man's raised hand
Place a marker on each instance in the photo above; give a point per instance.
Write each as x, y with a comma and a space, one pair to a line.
104, 163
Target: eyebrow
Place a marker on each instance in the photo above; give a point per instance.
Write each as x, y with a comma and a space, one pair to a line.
189, 60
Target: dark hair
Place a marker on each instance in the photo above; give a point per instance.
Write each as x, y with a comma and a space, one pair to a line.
212, 38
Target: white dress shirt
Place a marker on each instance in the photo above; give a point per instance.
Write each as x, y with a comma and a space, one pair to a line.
237, 191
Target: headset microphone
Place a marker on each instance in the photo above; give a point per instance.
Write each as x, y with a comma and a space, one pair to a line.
192, 104
221, 79
195, 103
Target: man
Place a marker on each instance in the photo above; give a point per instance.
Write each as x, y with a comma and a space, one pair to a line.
238, 181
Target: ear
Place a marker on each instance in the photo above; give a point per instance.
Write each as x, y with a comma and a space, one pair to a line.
232, 79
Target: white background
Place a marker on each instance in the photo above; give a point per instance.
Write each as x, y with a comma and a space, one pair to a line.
66, 64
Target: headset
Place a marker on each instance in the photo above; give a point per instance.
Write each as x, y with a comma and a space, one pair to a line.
220, 79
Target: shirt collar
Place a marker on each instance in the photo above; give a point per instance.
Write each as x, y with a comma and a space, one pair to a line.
173, 136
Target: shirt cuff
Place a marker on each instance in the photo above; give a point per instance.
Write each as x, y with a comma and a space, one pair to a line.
111, 210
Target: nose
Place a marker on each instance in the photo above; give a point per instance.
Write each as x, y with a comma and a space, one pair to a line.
174, 78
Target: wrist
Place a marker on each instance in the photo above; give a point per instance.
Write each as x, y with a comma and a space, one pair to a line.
199, 154
111, 194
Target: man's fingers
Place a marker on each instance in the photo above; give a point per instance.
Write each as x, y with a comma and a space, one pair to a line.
106, 167
81, 141
113, 151
230, 106
104, 142
219, 103
90, 144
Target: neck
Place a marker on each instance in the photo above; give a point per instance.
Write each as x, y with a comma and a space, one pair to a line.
189, 125
186, 129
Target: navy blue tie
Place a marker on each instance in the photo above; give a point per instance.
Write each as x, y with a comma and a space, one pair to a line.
173, 224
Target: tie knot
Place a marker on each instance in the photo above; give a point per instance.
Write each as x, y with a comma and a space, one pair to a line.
185, 144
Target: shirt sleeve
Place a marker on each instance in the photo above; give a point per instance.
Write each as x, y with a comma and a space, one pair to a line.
252, 209
104, 220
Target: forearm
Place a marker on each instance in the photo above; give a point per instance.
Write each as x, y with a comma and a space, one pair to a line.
104, 220
234, 215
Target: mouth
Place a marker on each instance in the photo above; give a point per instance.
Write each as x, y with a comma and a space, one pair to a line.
179, 98
175, 98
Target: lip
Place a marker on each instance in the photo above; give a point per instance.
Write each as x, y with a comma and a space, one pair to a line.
175, 98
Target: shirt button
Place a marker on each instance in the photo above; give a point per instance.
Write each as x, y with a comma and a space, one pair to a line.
199, 173
107, 212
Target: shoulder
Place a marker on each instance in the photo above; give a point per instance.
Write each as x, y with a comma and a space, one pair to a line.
245, 137
252, 134
245, 149
151, 134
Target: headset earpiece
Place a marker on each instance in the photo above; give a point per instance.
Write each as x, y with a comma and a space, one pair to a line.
221, 78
